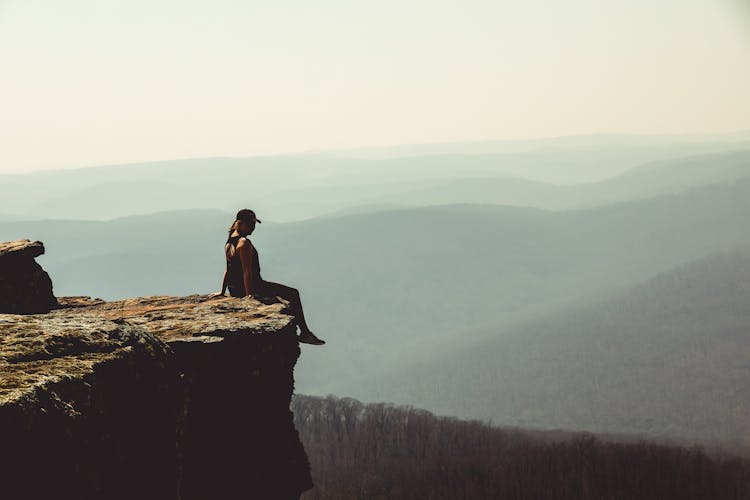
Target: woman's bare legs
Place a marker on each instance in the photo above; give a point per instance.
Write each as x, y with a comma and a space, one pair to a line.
271, 288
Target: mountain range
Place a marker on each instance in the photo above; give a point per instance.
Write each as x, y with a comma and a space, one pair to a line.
443, 281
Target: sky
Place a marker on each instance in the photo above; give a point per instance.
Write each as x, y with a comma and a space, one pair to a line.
89, 82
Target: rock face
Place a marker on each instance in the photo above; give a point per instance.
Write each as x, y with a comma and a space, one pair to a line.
151, 398
24, 286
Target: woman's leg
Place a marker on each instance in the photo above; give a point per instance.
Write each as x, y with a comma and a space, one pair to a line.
271, 288
292, 295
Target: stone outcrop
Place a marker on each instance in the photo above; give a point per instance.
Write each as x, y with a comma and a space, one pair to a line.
151, 398
25, 288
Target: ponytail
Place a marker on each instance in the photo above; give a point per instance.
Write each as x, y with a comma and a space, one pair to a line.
232, 228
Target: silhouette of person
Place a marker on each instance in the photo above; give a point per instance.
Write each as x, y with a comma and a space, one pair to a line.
242, 277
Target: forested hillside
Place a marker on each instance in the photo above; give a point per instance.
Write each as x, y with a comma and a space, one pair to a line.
668, 357
382, 451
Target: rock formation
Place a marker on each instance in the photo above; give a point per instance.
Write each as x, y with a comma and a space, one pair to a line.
151, 398
24, 286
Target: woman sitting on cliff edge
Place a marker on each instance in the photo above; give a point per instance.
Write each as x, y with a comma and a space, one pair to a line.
243, 279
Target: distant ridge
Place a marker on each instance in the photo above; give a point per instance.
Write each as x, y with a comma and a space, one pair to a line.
296, 188
555, 143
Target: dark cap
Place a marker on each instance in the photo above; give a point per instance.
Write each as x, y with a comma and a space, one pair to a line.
247, 215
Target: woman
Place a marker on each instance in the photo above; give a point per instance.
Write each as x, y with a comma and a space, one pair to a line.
243, 279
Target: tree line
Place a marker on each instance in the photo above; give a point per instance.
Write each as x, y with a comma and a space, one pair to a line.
384, 451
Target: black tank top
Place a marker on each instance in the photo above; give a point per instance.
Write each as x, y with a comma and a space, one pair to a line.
235, 282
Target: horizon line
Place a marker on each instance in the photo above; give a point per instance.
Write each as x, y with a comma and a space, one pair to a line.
332, 151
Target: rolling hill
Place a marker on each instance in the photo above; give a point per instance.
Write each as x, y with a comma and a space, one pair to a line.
669, 357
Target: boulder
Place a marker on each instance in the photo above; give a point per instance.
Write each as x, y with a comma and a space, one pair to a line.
25, 288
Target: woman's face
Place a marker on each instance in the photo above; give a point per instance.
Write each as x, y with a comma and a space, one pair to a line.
246, 227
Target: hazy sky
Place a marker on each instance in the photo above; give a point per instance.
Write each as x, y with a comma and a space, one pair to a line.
86, 82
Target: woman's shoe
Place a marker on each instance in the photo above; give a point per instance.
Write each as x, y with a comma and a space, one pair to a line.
309, 337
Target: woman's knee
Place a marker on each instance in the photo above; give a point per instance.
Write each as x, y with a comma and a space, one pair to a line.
281, 289
292, 294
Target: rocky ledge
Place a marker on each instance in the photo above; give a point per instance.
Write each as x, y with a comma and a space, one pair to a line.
25, 288
151, 397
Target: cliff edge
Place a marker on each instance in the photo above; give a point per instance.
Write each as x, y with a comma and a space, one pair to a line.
150, 397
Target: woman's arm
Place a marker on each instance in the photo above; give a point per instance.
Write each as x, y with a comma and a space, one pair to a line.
246, 257
224, 284
223, 291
